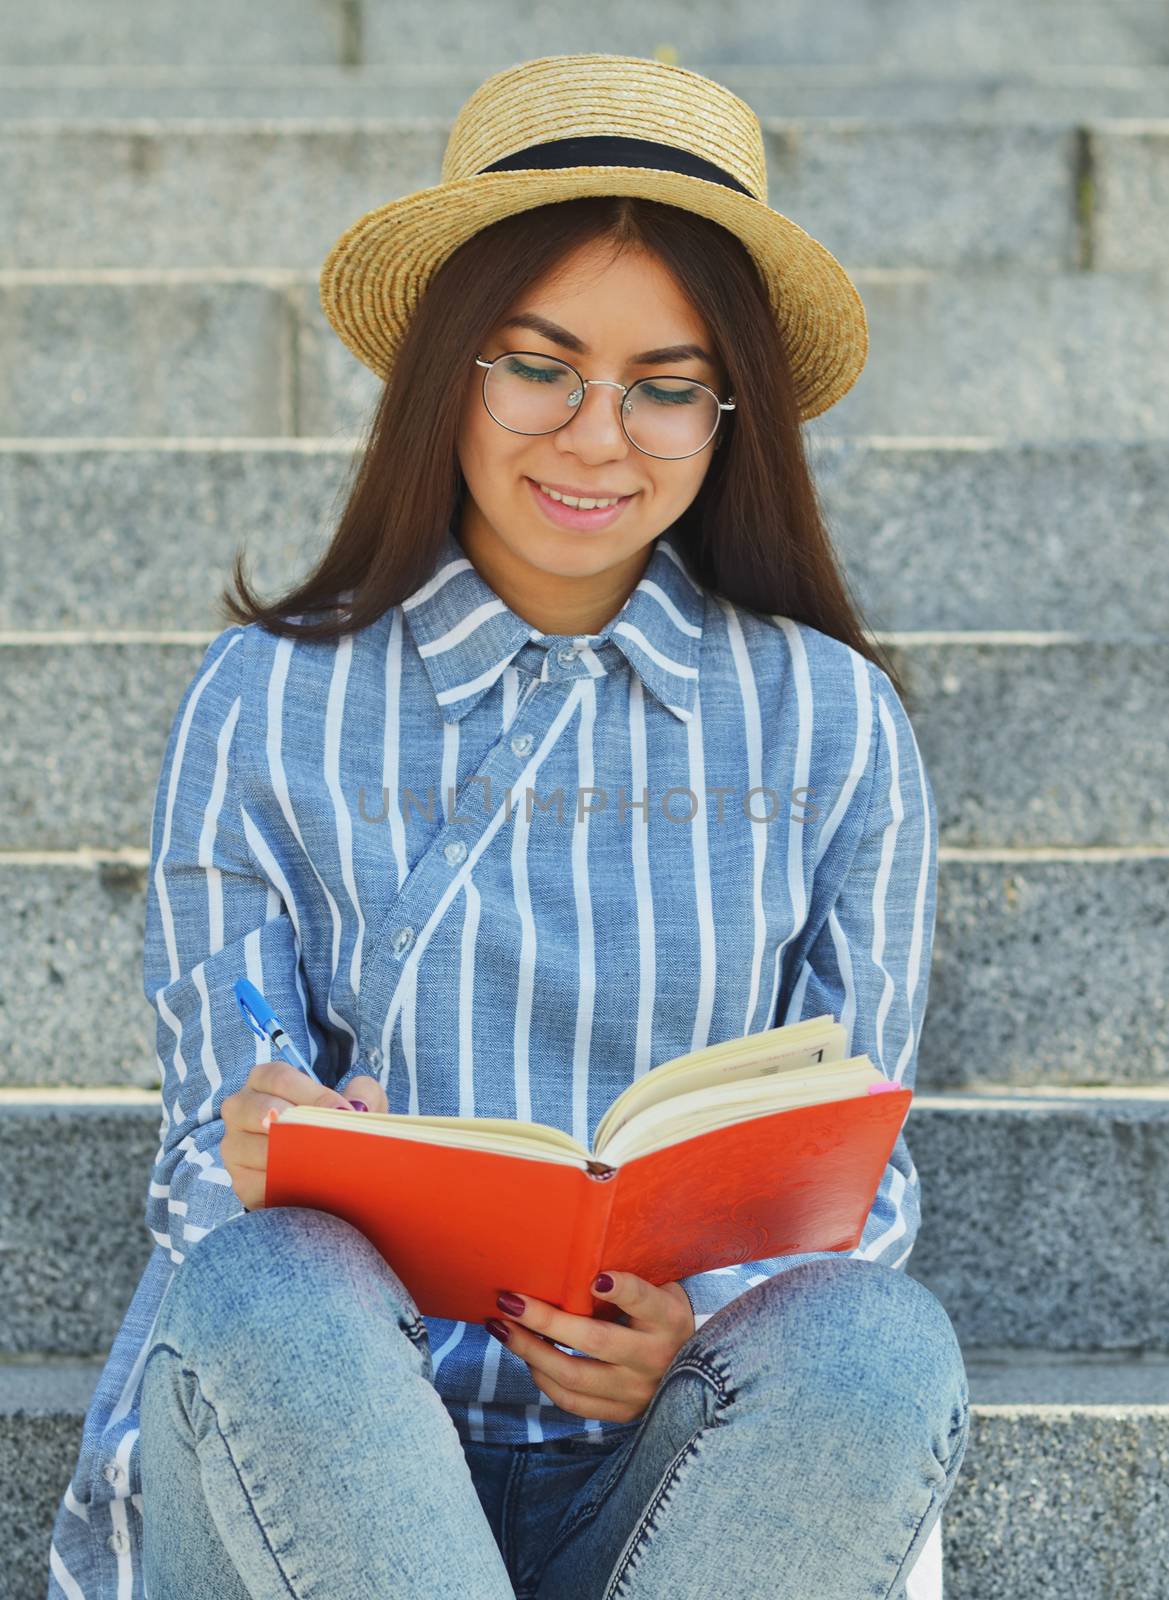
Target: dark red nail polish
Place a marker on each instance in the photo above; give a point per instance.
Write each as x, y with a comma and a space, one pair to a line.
602, 1283
511, 1303
497, 1329
359, 1105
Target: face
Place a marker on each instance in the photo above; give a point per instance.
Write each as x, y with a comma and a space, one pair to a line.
597, 311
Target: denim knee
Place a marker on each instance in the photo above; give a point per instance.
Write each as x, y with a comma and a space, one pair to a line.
870, 1333
260, 1272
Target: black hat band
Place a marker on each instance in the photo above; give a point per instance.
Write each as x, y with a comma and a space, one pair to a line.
617, 150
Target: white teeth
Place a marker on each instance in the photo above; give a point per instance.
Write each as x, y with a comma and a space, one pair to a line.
572, 500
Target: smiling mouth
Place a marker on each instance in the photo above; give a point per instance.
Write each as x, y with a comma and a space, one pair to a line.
581, 502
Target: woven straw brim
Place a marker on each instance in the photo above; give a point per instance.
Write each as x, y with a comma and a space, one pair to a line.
379, 268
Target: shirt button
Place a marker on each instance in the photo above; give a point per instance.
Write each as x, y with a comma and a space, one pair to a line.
403, 939
119, 1542
522, 743
455, 852
567, 655
375, 1057
114, 1473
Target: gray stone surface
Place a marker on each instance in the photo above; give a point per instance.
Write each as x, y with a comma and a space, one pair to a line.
1062, 1503
953, 195
1018, 1190
995, 482
168, 354
1005, 1376
1045, 1217
1025, 985
1130, 169
987, 535
1028, 356
83, 729
1027, 744
336, 395
1046, 744
1054, 356
1049, 968
944, 90
977, 534
135, 537
218, 194
73, 1240
39, 1440
68, 31
1052, 1498
72, 1008
489, 33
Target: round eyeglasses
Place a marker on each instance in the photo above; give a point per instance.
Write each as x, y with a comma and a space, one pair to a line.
666, 417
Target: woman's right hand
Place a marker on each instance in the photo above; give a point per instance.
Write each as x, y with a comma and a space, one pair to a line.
271, 1086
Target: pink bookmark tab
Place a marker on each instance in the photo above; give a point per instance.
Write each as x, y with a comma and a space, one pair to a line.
882, 1088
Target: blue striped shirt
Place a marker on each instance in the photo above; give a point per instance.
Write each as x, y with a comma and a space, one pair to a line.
506, 873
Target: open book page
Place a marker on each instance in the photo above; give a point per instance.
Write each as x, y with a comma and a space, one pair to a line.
795, 1047
509, 1138
666, 1121
778, 1055
719, 1105
733, 1096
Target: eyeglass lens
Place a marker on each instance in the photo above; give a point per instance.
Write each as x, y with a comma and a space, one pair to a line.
667, 417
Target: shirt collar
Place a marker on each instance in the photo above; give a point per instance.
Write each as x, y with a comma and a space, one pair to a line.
466, 635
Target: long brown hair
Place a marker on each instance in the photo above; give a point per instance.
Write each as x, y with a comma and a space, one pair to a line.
754, 533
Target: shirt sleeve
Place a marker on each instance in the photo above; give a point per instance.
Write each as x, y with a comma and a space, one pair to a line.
212, 916
868, 965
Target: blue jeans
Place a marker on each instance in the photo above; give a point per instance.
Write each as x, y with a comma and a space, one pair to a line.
800, 1446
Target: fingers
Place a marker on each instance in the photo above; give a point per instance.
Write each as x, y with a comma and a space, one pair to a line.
282, 1079
646, 1305
603, 1407
591, 1336
272, 1087
238, 1148
587, 1387
585, 1374
369, 1090
249, 1188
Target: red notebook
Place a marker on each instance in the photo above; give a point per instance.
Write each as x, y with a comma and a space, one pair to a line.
767, 1145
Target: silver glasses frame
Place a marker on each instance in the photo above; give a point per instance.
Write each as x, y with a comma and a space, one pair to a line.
610, 383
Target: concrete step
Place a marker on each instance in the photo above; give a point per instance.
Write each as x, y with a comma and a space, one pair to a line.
1063, 1188
203, 352
1023, 735
912, 34
935, 534
885, 192
1049, 968
952, 90
1060, 1492
102, 193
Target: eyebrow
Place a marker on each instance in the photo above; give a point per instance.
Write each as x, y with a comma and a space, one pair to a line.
569, 341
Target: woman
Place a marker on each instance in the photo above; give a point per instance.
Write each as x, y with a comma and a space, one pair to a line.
362, 809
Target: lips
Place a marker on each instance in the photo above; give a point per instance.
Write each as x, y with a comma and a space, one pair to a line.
562, 516
581, 494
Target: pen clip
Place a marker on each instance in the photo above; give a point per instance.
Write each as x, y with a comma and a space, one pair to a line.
248, 996
264, 1022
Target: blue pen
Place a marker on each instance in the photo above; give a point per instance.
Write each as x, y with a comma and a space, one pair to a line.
264, 1021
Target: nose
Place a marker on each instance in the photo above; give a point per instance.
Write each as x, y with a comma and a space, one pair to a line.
599, 435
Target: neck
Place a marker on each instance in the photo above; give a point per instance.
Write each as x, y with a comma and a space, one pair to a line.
555, 603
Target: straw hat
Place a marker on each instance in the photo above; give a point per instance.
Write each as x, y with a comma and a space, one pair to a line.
563, 126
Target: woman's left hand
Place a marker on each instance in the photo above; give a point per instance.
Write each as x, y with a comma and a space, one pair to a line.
620, 1368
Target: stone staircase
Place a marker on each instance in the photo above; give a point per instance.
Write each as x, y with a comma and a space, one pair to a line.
996, 180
